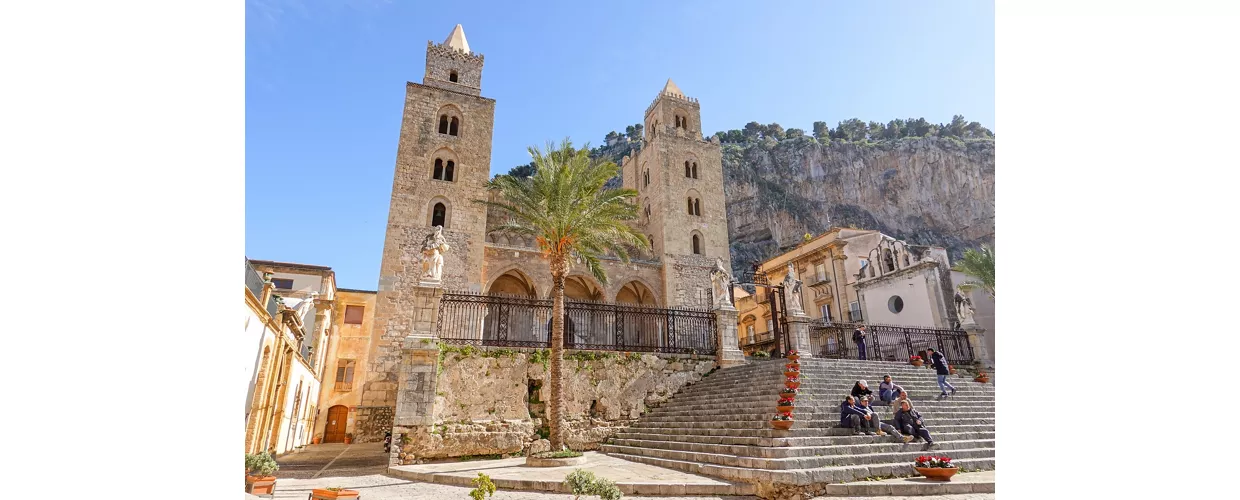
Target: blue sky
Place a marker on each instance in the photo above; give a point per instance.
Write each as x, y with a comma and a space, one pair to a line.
325, 84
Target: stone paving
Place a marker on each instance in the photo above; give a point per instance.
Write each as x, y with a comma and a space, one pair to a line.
970, 483
333, 459
633, 478
380, 487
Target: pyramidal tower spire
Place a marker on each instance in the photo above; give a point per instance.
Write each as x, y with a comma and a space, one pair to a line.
670, 88
456, 40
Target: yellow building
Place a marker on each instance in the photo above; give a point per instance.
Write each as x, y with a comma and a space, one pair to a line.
854, 275
288, 316
347, 354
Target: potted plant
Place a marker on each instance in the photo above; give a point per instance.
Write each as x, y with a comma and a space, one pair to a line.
332, 493
792, 370
951, 369
785, 405
782, 421
316, 440
793, 354
936, 468
982, 377
792, 383
258, 473
915, 360
348, 438
788, 393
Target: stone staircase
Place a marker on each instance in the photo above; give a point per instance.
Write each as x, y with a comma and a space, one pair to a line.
720, 426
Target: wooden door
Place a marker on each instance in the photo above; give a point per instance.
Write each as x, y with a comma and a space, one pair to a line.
337, 417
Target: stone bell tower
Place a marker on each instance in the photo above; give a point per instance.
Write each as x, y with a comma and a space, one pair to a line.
443, 161
679, 178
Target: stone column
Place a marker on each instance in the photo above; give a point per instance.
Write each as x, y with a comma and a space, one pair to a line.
798, 331
729, 354
980, 351
415, 395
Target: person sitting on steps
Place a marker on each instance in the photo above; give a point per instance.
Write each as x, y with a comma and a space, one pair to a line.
861, 389
876, 422
941, 368
851, 415
910, 421
888, 391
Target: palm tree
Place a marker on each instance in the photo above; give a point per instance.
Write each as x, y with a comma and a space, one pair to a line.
567, 210
980, 266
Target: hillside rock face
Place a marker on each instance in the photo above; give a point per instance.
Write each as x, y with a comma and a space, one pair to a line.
928, 191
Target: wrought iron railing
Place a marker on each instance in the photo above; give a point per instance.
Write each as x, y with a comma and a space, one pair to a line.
511, 321
890, 342
253, 280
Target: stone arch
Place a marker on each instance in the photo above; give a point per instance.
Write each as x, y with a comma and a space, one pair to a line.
697, 244
453, 76
637, 292
444, 165
694, 202
583, 287
431, 216
450, 119
513, 281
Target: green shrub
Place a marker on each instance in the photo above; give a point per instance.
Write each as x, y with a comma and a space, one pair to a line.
761, 354
583, 482
260, 464
483, 487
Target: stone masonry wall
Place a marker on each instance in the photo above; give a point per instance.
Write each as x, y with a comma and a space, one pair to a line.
483, 404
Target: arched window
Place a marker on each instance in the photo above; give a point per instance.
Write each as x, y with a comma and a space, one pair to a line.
452, 77
439, 214
438, 174
889, 261
695, 170
443, 124
690, 203
651, 238
647, 175
452, 129
687, 172
697, 206
697, 245
447, 172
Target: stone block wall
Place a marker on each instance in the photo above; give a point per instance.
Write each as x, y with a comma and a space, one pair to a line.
484, 405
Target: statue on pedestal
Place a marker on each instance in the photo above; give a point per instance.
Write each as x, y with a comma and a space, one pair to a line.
964, 309
721, 281
433, 249
792, 286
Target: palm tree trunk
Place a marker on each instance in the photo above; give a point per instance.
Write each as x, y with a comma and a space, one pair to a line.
555, 410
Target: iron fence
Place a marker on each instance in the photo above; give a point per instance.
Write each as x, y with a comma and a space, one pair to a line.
253, 280
890, 342
512, 321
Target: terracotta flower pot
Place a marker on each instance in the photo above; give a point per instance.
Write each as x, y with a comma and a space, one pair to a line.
792, 385
983, 379
951, 370
917, 362
260, 485
318, 494
937, 473
782, 425
792, 374
794, 357
784, 409
348, 440
316, 440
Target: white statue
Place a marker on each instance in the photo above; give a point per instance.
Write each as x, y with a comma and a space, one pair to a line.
722, 283
792, 287
964, 308
433, 249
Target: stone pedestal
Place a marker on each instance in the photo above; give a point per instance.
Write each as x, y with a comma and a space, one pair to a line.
729, 353
416, 386
980, 351
798, 333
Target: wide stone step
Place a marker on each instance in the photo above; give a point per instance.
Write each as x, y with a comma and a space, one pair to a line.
836, 396
836, 389
814, 423
812, 400
876, 444
803, 476
842, 440
706, 409
909, 453
825, 414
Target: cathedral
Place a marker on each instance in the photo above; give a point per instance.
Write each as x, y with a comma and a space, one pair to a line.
443, 163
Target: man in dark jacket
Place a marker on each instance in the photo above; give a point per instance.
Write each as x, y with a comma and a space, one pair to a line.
940, 367
859, 338
861, 389
876, 422
851, 415
908, 420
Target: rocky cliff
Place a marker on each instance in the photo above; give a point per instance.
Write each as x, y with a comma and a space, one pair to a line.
927, 190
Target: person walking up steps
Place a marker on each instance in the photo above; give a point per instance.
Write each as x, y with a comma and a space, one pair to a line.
940, 367
859, 338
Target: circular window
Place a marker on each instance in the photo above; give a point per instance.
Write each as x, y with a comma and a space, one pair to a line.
895, 304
